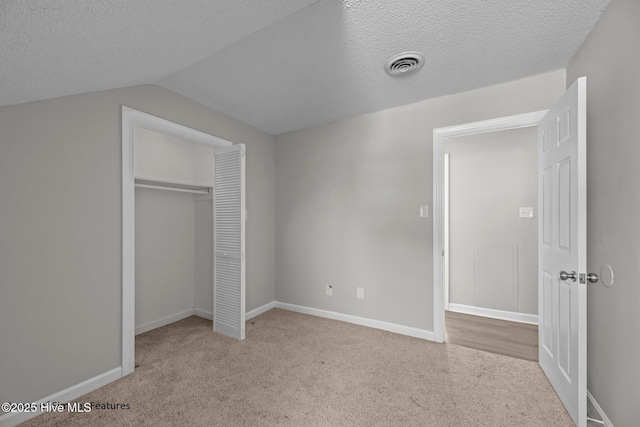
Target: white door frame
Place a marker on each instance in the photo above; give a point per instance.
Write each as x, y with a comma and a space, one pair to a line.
439, 137
130, 119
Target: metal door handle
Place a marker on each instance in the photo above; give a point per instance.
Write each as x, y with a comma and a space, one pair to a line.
591, 277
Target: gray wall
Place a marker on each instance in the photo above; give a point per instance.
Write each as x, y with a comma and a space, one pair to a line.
61, 228
165, 254
347, 198
203, 262
493, 253
174, 254
610, 60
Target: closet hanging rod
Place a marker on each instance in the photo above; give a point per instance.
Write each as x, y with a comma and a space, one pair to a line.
182, 190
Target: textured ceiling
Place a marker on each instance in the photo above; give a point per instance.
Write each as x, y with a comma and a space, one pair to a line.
283, 65
51, 48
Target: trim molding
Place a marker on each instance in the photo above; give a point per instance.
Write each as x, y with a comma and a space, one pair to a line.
205, 314
64, 396
258, 311
145, 327
371, 323
606, 420
511, 316
439, 137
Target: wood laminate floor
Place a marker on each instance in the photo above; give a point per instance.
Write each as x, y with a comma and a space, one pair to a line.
513, 339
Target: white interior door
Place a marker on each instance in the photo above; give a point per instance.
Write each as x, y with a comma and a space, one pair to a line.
562, 242
229, 241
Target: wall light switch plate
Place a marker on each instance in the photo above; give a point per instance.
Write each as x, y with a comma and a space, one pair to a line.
424, 211
329, 291
526, 213
360, 293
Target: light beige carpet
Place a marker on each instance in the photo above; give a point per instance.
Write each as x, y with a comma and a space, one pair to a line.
299, 370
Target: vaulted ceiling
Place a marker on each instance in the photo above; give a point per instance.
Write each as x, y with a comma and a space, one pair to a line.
283, 65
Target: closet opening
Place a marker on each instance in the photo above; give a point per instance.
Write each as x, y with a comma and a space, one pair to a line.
183, 229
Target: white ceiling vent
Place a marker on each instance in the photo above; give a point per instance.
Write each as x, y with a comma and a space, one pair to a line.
404, 63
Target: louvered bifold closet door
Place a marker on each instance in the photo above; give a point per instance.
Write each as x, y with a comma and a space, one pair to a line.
229, 241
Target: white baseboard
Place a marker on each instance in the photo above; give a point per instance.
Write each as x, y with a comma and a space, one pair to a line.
494, 314
371, 323
258, 311
205, 314
606, 420
64, 396
145, 327
250, 315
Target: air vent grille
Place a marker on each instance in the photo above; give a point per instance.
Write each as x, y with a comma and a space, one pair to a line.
404, 64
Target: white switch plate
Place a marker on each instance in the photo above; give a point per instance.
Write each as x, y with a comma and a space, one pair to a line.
526, 212
329, 291
424, 211
360, 293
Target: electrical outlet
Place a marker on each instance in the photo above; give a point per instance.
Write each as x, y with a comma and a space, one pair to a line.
360, 293
329, 291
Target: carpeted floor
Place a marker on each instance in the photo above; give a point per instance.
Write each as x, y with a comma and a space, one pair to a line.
299, 370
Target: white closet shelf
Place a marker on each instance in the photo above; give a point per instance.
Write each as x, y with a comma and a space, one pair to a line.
171, 186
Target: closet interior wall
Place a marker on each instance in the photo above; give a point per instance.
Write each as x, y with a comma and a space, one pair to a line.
174, 231
203, 260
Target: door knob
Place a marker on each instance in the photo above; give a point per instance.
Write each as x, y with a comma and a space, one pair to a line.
564, 276
592, 278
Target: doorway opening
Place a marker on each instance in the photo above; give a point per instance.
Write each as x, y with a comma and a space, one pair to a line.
485, 230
